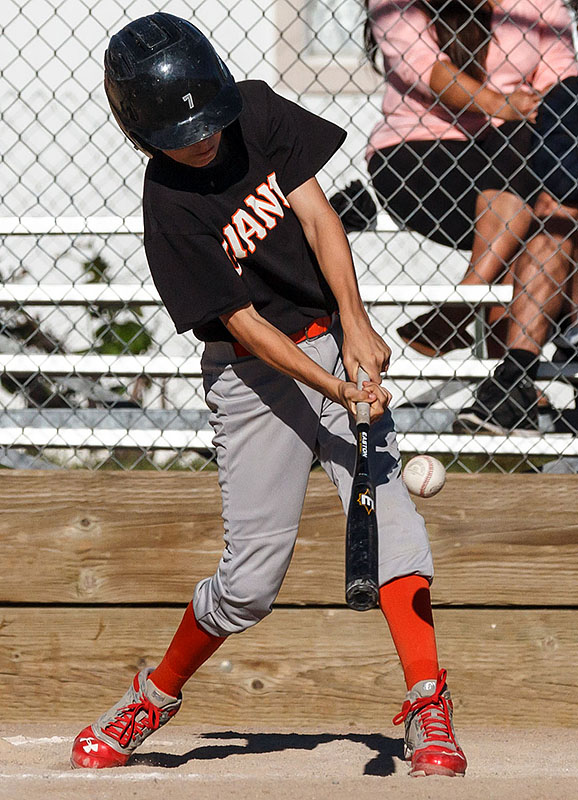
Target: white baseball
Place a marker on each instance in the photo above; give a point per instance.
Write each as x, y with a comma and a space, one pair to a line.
424, 476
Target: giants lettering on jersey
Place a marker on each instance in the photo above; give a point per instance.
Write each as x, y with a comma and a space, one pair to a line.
266, 205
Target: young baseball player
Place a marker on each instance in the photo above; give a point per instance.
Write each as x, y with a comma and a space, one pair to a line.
248, 254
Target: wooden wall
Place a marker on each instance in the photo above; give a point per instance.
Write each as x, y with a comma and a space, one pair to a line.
97, 568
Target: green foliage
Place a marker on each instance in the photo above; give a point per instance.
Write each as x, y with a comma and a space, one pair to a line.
119, 330
115, 338
96, 269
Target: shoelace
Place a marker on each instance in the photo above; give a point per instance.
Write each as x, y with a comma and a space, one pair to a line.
127, 725
433, 713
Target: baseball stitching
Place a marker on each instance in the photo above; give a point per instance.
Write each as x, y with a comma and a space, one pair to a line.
427, 478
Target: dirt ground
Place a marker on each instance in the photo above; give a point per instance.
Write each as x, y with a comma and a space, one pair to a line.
299, 765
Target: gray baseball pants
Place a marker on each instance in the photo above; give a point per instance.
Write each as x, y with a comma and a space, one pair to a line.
268, 430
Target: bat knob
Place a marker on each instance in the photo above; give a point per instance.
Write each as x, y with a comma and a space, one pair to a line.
361, 596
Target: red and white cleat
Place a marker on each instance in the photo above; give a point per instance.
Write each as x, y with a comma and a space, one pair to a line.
110, 741
93, 753
430, 739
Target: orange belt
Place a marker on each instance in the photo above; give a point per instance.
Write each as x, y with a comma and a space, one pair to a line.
315, 328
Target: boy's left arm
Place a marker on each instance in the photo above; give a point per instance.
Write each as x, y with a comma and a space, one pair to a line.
362, 345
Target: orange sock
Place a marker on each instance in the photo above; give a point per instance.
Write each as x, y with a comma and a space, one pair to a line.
190, 647
406, 604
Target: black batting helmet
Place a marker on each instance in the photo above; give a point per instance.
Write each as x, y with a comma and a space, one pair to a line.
166, 85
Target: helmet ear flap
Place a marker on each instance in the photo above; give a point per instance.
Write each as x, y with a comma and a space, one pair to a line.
134, 140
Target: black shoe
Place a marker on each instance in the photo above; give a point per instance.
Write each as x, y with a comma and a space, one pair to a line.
505, 404
438, 332
566, 346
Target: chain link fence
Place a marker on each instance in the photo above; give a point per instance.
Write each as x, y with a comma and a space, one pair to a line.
93, 374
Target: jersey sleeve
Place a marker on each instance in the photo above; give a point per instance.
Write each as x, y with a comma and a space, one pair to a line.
298, 142
195, 278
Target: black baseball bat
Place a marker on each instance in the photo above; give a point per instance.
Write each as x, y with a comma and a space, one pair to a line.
361, 579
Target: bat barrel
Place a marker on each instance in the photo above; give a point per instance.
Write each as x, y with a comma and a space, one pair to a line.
361, 547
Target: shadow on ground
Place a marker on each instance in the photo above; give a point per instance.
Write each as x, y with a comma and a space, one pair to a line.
381, 764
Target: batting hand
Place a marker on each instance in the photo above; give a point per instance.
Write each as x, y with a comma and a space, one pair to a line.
377, 396
364, 347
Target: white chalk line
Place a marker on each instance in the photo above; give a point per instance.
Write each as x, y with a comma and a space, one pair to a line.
19, 741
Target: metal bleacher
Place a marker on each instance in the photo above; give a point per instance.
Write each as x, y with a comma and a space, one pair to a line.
420, 427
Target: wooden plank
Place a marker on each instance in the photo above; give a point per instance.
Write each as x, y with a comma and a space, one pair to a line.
512, 538
302, 667
106, 537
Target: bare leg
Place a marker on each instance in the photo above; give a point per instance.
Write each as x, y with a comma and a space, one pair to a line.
566, 340
502, 224
508, 401
497, 321
541, 276
571, 312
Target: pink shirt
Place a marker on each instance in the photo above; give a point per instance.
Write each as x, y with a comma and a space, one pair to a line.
531, 44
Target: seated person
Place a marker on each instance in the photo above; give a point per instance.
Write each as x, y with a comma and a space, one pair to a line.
555, 161
449, 159
544, 276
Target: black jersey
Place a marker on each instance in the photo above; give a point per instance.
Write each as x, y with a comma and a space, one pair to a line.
221, 236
